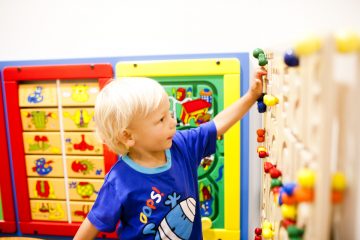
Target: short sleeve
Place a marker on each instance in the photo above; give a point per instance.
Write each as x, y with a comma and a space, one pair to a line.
105, 213
200, 142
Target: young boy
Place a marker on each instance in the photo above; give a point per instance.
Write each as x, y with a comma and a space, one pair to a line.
152, 189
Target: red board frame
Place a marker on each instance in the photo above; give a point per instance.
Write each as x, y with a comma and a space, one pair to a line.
12, 77
8, 224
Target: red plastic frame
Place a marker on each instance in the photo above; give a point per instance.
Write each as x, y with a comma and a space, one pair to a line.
8, 225
12, 77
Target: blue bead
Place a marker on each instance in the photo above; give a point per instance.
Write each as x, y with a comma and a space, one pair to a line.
261, 107
291, 59
289, 188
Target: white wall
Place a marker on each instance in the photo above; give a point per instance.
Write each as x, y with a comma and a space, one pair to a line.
52, 29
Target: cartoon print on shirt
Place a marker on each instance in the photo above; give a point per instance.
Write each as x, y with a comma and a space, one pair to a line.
178, 222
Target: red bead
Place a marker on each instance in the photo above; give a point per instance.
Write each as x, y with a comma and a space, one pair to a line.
258, 231
267, 166
257, 238
287, 222
263, 154
275, 173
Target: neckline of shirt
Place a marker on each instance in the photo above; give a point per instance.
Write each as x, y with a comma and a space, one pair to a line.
147, 170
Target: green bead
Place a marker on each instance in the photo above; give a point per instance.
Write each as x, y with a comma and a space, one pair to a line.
262, 59
257, 51
275, 183
295, 232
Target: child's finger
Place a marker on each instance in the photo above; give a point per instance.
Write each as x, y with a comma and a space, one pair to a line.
260, 72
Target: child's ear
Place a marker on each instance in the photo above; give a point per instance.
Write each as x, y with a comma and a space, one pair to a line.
127, 138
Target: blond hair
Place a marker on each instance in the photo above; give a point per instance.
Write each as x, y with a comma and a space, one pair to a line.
119, 102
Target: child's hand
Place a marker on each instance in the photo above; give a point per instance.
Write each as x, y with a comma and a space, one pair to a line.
256, 87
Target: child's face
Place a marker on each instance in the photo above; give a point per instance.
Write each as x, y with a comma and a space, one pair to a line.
154, 132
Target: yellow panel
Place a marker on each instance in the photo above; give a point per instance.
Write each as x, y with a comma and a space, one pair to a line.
48, 210
85, 166
196, 67
84, 189
79, 93
221, 234
232, 158
78, 119
36, 95
40, 119
42, 142
82, 143
230, 68
44, 165
79, 210
46, 188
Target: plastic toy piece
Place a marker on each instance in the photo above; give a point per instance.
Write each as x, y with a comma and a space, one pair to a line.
270, 100
347, 42
306, 178
261, 135
262, 152
308, 46
275, 173
267, 230
290, 58
289, 188
295, 232
338, 181
260, 55
288, 211
288, 200
304, 194
261, 105
258, 232
285, 223
268, 166
275, 182
338, 187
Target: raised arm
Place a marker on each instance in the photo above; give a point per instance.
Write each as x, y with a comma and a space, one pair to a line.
230, 115
86, 231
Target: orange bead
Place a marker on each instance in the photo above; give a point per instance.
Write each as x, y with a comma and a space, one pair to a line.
289, 200
304, 194
260, 132
337, 197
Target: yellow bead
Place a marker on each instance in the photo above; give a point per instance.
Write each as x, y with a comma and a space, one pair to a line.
267, 224
270, 100
288, 211
347, 42
308, 46
338, 181
267, 233
306, 178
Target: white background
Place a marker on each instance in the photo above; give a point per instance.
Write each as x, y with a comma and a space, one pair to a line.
57, 29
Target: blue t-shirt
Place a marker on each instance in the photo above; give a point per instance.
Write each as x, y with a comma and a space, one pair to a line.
156, 203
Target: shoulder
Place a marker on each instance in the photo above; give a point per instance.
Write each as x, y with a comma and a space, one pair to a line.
203, 129
118, 176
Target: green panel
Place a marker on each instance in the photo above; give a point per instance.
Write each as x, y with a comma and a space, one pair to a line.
211, 180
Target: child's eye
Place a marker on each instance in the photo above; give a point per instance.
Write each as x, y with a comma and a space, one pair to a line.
162, 119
